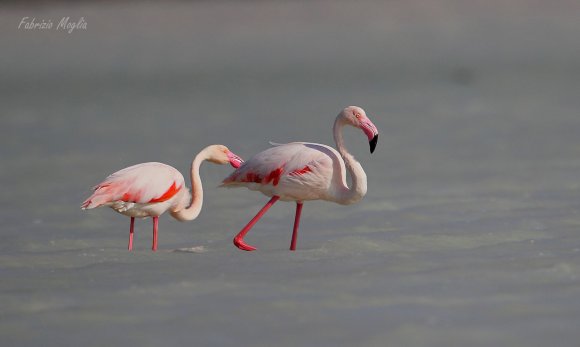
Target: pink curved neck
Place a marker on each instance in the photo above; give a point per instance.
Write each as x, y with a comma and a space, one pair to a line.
192, 211
358, 186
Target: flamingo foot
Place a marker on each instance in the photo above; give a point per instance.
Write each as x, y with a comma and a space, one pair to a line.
239, 242
239, 239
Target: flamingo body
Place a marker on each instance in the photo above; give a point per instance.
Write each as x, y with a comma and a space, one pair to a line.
297, 171
142, 190
302, 171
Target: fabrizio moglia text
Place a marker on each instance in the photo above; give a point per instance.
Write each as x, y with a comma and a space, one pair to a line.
65, 24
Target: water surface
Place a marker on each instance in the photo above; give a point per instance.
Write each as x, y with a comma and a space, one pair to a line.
469, 234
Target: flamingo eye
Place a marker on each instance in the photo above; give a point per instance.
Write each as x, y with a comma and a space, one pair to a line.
357, 116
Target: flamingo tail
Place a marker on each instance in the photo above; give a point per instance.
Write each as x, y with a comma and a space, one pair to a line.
93, 201
103, 194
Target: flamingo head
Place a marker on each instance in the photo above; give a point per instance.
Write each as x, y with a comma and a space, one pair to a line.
357, 117
220, 154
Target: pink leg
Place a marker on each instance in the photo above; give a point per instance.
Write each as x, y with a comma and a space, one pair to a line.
155, 227
239, 239
296, 225
130, 247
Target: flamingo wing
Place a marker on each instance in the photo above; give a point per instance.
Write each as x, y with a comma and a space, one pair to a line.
297, 171
141, 183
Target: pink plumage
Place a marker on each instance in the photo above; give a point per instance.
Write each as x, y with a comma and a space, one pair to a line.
146, 183
150, 189
297, 171
301, 171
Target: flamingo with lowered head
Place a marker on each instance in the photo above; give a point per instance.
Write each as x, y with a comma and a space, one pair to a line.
301, 171
150, 189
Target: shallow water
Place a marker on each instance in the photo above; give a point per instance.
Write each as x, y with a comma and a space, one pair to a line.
468, 234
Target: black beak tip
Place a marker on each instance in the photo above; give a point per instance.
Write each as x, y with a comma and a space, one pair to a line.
373, 142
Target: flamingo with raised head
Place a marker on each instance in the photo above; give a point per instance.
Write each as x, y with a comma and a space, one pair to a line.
301, 171
150, 189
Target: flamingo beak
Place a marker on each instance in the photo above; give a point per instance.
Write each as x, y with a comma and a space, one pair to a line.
373, 142
371, 132
235, 160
